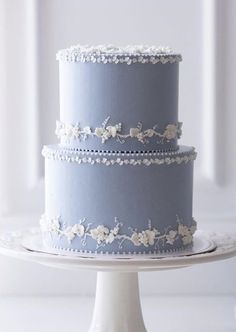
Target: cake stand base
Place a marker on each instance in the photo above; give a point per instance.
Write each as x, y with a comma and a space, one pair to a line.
117, 303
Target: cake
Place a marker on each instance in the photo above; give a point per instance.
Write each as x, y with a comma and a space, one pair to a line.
117, 182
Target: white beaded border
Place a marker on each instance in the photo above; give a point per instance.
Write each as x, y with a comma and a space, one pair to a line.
95, 253
113, 54
86, 157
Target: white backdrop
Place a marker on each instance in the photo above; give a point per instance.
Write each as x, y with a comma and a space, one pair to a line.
31, 32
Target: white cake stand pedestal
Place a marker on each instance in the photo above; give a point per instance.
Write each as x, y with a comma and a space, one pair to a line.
117, 304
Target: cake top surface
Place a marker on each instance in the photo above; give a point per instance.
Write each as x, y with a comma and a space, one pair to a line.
118, 54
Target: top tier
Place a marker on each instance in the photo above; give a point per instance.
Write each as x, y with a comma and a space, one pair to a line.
119, 98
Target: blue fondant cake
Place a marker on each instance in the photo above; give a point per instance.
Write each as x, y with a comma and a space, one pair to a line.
118, 182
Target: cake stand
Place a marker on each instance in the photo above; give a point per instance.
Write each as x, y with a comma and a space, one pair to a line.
117, 303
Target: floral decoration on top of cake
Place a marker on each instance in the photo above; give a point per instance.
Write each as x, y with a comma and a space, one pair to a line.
119, 54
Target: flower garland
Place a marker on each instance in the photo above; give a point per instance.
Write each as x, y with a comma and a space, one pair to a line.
106, 131
104, 235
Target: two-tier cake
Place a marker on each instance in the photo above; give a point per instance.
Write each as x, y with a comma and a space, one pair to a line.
118, 182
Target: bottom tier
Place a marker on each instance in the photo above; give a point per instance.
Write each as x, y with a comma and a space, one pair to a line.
105, 202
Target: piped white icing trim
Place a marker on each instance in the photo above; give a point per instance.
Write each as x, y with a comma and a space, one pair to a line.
107, 158
107, 131
104, 235
117, 255
118, 54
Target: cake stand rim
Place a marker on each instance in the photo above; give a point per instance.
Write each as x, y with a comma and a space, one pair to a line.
226, 248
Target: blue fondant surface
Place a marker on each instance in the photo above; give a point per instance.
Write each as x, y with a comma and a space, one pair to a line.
133, 194
145, 93
141, 196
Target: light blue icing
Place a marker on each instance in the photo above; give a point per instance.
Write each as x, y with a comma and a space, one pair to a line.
102, 182
133, 194
89, 93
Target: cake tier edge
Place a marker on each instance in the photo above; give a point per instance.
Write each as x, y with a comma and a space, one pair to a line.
140, 203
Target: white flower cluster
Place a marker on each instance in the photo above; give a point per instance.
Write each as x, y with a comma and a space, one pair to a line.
121, 54
187, 233
73, 131
103, 235
147, 237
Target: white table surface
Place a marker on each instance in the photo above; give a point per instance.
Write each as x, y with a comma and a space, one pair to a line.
165, 314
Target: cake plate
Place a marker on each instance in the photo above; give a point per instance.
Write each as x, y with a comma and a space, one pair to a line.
117, 303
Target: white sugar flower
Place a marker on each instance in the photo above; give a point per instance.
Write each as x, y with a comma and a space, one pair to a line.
112, 130
143, 238
68, 130
118, 126
150, 234
50, 225
133, 132
55, 224
69, 233
135, 239
115, 230
140, 137
78, 229
87, 130
170, 132
110, 238
75, 131
183, 230
99, 132
170, 237
100, 233
187, 239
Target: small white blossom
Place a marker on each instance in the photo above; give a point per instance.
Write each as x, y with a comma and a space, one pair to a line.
170, 131
140, 137
183, 230
170, 237
133, 132
110, 238
49, 225
87, 130
112, 130
75, 131
99, 132
135, 239
100, 233
143, 238
78, 229
68, 232
68, 130
151, 234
